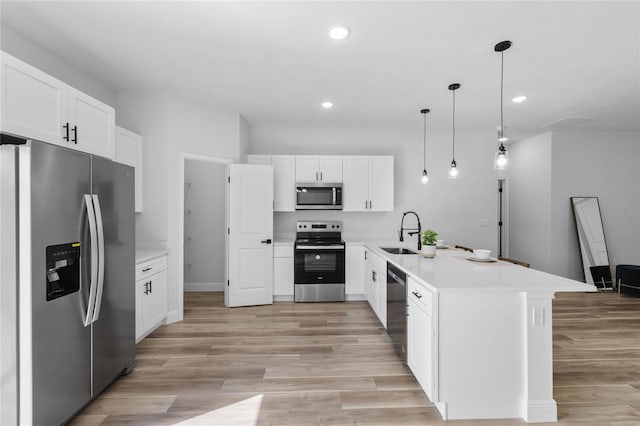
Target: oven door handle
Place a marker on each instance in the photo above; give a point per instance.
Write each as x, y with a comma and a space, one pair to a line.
336, 247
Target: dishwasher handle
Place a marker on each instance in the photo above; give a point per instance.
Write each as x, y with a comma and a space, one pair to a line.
396, 278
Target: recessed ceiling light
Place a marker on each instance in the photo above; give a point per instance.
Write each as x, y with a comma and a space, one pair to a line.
338, 32
327, 105
519, 99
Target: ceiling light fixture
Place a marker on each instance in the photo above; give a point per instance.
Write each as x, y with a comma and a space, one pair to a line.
453, 171
425, 178
339, 32
519, 99
327, 105
501, 160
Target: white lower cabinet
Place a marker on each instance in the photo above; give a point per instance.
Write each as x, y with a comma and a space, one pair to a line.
283, 271
151, 295
376, 284
354, 271
421, 336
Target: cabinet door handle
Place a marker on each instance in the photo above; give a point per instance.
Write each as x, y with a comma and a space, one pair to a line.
370, 205
147, 269
66, 128
267, 241
320, 175
151, 287
75, 135
416, 294
373, 276
146, 287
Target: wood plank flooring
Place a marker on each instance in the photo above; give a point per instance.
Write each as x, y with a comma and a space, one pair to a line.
333, 364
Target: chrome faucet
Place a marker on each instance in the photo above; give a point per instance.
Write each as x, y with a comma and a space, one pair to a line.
413, 231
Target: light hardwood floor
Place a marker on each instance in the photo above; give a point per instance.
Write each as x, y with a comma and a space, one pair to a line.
332, 364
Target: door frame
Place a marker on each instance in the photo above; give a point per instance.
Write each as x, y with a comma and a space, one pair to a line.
504, 197
182, 158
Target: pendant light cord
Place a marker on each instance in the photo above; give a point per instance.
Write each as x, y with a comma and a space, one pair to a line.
424, 146
501, 97
453, 154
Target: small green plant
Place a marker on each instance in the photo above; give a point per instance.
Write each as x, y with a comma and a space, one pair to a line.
429, 237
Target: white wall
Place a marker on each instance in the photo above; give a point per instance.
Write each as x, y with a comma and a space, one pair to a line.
177, 125
454, 208
204, 225
15, 44
145, 113
601, 164
547, 170
530, 201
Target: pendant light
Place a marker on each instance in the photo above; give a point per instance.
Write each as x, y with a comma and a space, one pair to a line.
453, 171
502, 159
425, 178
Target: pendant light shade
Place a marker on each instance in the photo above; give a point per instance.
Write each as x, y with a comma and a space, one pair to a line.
453, 170
501, 158
425, 177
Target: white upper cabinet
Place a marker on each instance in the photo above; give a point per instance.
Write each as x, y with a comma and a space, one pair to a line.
355, 190
319, 168
34, 104
307, 168
129, 152
330, 168
284, 183
92, 124
38, 106
381, 183
368, 183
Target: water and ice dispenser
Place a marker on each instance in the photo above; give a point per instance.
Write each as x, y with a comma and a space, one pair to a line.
63, 270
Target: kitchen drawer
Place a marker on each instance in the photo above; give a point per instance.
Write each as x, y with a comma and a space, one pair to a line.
420, 295
283, 251
376, 261
150, 267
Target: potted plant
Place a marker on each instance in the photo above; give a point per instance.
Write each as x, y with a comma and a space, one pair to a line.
429, 243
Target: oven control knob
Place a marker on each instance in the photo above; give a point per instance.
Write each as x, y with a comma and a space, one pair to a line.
317, 257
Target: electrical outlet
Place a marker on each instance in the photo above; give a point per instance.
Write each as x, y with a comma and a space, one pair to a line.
538, 317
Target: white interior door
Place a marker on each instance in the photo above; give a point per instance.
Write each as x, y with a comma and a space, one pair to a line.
250, 236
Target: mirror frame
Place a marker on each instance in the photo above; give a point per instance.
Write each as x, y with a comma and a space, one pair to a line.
586, 268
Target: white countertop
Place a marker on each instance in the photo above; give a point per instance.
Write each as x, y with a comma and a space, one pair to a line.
450, 270
142, 255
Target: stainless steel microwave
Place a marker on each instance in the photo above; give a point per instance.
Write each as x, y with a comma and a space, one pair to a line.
319, 196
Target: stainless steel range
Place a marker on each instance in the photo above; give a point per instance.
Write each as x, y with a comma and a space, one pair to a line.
319, 256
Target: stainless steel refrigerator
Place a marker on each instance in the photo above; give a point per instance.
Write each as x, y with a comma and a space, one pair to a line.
67, 270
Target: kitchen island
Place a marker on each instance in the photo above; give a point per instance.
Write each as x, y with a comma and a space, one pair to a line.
480, 334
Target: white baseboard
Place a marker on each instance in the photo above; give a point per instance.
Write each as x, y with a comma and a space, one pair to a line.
203, 287
286, 298
540, 411
348, 298
172, 316
355, 297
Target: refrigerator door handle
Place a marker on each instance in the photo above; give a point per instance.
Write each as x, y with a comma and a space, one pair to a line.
88, 203
100, 228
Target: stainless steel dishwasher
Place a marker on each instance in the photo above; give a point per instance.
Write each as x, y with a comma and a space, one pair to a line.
397, 309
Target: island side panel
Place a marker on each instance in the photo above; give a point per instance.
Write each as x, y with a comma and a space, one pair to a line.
538, 402
481, 359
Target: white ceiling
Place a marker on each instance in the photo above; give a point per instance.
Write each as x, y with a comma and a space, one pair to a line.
273, 62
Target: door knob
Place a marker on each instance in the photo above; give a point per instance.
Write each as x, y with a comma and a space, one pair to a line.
267, 241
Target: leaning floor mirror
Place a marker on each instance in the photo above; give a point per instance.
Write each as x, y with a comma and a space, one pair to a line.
593, 247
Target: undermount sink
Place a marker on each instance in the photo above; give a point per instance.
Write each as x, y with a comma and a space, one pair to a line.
398, 250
